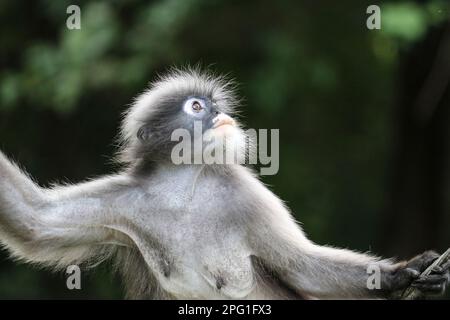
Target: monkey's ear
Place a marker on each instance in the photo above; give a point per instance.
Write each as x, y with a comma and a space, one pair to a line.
143, 133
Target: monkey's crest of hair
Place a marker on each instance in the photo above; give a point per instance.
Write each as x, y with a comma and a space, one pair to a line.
176, 84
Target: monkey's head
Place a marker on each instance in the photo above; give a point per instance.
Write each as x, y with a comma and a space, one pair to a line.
184, 102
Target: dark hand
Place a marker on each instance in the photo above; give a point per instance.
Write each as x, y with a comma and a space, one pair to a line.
407, 274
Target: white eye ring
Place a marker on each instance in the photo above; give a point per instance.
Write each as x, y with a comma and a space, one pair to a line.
193, 106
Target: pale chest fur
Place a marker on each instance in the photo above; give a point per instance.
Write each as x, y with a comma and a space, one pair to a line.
201, 250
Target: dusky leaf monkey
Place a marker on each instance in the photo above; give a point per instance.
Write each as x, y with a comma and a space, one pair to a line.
188, 231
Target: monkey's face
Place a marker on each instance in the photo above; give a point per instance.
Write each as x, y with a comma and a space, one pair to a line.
205, 112
199, 125
212, 128
191, 103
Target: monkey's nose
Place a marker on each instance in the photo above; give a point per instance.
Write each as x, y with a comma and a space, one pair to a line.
223, 119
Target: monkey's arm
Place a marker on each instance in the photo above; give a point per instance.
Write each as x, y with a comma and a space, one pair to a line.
54, 226
326, 272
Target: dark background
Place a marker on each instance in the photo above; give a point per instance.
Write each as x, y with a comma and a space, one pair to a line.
363, 114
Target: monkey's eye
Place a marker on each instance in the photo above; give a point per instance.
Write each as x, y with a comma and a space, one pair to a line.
196, 106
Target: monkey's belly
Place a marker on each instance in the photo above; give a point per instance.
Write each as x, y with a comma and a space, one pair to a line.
211, 277
222, 280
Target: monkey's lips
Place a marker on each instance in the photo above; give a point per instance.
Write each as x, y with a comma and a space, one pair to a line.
222, 120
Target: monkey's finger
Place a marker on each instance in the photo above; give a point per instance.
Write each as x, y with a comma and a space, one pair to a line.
414, 274
438, 270
443, 271
403, 277
427, 259
442, 268
422, 261
446, 266
431, 279
430, 288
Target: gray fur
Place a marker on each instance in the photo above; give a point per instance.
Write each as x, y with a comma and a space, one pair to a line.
229, 238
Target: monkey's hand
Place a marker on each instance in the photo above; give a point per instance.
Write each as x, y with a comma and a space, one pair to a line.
407, 274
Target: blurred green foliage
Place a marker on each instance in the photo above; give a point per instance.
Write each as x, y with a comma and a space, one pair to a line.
313, 70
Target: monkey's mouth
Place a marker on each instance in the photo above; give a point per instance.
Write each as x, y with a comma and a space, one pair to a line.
223, 120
